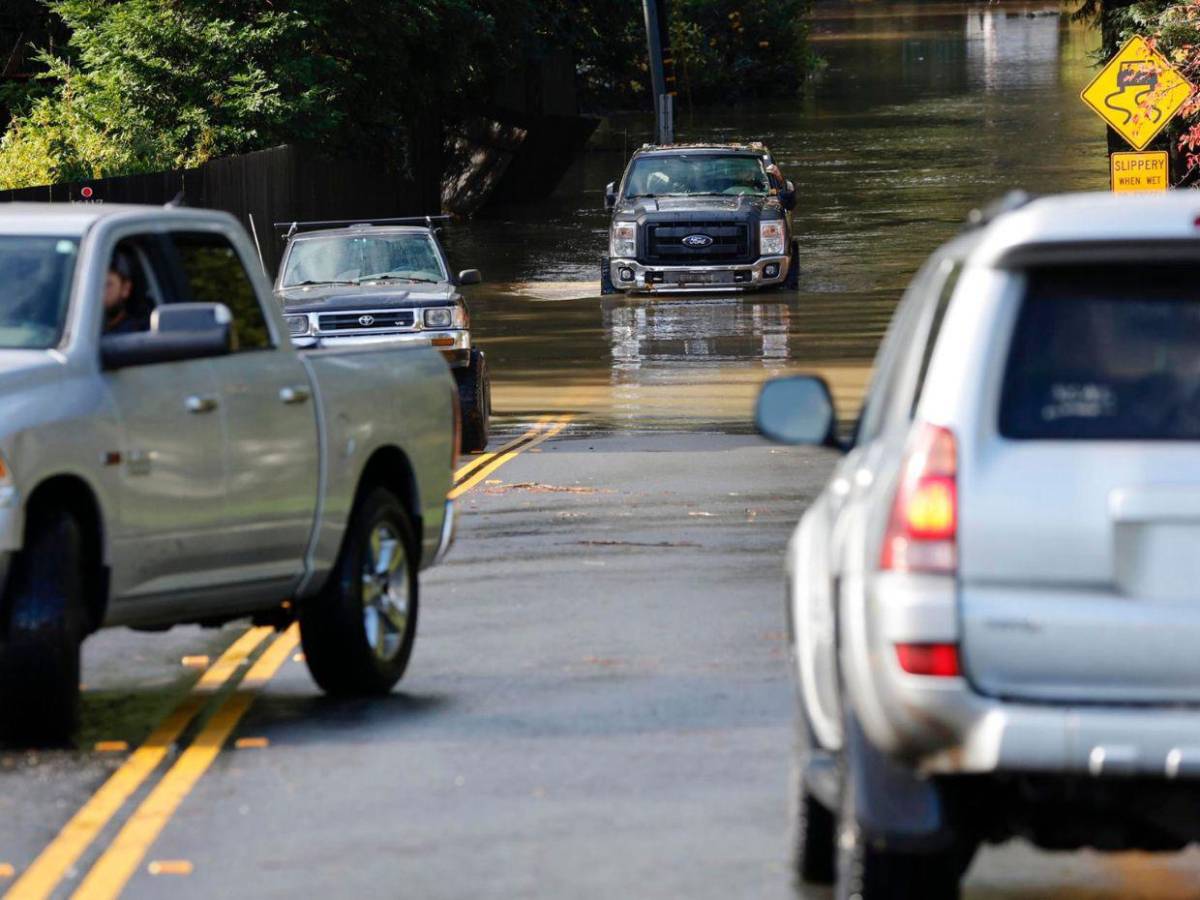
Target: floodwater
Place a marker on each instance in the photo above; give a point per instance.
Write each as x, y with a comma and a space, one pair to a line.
921, 112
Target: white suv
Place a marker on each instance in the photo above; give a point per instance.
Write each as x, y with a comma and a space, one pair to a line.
995, 602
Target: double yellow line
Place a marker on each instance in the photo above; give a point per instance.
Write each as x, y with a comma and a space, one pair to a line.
114, 868
248, 664
480, 467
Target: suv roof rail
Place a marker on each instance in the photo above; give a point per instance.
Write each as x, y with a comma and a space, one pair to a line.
985, 215
293, 227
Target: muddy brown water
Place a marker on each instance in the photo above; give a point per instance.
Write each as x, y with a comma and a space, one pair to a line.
922, 112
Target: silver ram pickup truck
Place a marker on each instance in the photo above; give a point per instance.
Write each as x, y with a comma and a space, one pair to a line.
167, 456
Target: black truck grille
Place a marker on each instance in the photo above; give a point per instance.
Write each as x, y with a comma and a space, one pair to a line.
665, 243
365, 321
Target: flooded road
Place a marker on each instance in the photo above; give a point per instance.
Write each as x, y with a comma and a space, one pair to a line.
908, 126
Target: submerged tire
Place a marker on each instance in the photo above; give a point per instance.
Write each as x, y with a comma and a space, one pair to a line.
792, 281
475, 401
358, 633
39, 657
606, 285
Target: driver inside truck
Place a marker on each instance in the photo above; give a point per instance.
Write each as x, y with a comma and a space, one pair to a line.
120, 316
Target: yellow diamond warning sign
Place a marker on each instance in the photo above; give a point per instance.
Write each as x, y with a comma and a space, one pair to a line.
1137, 93
1133, 172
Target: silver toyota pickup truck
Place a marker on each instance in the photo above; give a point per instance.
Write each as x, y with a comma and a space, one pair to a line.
167, 456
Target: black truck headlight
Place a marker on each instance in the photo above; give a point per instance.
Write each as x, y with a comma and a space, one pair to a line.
624, 240
771, 237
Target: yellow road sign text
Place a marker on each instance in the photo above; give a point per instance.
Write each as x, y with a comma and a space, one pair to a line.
1137, 93
1136, 172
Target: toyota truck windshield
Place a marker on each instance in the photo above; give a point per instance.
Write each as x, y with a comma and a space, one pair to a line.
690, 174
36, 274
410, 257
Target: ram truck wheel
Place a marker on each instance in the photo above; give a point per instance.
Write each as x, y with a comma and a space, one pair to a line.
39, 657
475, 401
358, 632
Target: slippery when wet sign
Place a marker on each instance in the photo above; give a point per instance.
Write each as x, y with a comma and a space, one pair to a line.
1137, 93
1139, 172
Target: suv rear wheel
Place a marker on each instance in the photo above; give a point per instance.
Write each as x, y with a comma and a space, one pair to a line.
813, 830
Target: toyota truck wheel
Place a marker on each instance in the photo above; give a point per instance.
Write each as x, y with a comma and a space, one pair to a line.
606, 285
39, 659
475, 401
358, 632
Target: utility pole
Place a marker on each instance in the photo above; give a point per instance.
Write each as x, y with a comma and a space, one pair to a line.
662, 70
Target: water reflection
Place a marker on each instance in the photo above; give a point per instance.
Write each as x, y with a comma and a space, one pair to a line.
663, 332
923, 111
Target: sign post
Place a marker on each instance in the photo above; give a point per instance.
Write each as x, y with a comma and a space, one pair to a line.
1137, 93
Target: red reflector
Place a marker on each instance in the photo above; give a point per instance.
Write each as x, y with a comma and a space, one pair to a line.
938, 660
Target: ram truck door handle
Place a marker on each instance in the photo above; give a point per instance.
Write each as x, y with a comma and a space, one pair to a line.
197, 404
294, 394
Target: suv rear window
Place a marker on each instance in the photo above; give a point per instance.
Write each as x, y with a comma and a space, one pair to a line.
1105, 353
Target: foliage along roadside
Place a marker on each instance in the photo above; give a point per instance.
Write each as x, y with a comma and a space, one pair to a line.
146, 86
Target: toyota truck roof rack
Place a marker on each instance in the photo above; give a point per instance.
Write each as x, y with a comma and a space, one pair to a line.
293, 227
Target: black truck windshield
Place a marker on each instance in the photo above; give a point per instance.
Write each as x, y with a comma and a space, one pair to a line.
36, 273
670, 175
354, 259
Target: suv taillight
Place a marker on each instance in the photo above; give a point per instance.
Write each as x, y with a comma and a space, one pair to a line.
922, 530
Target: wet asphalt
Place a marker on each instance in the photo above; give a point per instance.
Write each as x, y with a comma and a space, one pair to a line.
599, 705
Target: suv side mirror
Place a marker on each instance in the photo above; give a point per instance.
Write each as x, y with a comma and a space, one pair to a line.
610, 195
469, 276
797, 410
178, 331
788, 196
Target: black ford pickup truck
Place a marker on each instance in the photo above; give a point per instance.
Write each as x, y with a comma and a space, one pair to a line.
700, 217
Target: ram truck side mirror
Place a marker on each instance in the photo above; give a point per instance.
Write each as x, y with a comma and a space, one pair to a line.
610, 195
797, 410
788, 196
178, 331
469, 276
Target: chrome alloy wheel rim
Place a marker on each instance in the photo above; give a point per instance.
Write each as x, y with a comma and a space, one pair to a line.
385, 592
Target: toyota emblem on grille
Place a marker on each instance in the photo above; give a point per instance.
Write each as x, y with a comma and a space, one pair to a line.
366, 321
697, 240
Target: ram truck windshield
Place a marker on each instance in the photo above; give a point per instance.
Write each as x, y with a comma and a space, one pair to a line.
36, 273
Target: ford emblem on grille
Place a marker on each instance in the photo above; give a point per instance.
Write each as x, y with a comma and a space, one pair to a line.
366, 321
697, 240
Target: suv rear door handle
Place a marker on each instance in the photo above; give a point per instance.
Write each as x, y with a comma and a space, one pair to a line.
294, 394
198, 404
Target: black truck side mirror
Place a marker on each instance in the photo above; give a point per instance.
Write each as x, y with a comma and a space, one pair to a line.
788, 197
610, 195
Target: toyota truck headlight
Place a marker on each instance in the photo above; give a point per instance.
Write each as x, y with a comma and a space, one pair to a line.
771, 238
297, 325
624, 240
445, 317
